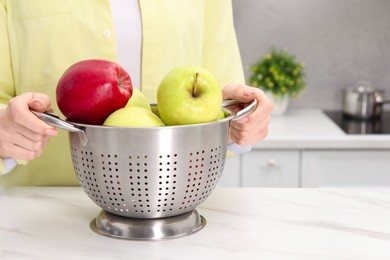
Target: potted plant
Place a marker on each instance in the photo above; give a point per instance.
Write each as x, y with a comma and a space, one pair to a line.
280, 76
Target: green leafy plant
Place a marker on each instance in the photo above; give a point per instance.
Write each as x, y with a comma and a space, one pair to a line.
278, 72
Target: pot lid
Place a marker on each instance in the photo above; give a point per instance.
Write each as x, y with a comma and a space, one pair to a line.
363, 87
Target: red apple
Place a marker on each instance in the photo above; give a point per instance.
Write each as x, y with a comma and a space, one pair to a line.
90, 90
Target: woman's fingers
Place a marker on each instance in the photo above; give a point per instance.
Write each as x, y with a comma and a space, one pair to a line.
22, 134
253, 127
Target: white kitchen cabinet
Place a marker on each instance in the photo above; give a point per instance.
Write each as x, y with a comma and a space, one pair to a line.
268, 168
345, 168
231, 172
305, 148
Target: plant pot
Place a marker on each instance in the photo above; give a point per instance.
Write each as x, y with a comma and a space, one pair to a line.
279, 102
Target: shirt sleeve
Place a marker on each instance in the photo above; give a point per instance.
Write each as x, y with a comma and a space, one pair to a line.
7, 89
235, 148
7, 165
221, 54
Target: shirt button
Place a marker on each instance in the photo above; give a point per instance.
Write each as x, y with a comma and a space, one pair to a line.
106, 33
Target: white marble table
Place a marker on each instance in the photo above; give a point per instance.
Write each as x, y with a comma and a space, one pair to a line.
242, 223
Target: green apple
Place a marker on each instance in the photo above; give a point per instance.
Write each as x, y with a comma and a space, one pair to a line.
155, 110
133, 117
138, 99
189, 95
221, 115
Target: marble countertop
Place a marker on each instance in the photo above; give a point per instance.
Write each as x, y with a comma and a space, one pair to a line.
242, 223
313, 129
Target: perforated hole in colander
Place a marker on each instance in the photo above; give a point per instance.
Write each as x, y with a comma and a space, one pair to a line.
143, 185
167, 181
84, 166
138, 183
202, 178
111, 183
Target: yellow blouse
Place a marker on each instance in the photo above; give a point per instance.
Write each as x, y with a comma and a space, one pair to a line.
39, 39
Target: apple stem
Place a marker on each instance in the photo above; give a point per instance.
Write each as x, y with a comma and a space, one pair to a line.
194, 88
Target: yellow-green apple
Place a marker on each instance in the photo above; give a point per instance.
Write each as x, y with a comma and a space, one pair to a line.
133, 117
155, 110
90, 90
221, 115
138, 99
189, 95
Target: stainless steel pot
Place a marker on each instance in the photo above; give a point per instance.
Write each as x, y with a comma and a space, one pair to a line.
363, 101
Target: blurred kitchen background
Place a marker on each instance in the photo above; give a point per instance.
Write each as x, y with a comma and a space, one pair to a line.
340, 42
314, 144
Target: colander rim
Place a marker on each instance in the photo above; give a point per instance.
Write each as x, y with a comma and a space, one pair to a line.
229, 115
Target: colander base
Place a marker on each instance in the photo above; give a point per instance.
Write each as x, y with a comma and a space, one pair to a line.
115, 226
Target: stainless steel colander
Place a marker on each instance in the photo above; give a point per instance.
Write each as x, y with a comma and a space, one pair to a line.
149, 173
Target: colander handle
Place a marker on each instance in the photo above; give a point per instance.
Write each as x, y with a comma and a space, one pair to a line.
243, 112
55, 121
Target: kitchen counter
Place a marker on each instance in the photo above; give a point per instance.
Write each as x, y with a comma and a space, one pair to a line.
242, 223
313, 129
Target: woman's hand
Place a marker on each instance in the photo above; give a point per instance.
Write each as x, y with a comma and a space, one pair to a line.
254, 127
23, 135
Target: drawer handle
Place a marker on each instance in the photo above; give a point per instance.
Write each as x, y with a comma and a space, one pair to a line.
271, 163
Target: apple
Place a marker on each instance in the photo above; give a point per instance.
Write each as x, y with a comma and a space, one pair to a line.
155, 110
138, 99
221, 115
189, 95
133, 117
90, 90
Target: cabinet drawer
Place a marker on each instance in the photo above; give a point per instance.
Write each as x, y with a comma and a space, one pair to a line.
231, 172
345, 168
270, 169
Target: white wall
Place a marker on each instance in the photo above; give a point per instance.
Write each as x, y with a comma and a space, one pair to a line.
340, 42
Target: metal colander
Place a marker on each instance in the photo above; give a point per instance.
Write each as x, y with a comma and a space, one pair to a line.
151, 172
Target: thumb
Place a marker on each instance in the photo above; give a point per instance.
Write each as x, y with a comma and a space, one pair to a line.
39, 102
238, 92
